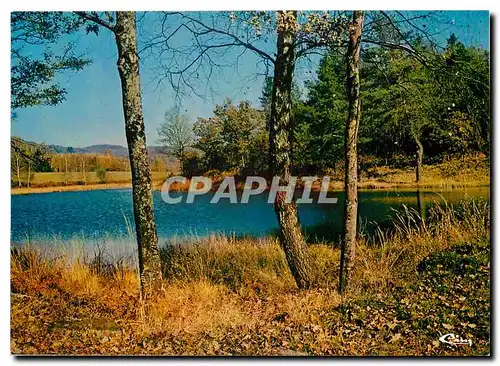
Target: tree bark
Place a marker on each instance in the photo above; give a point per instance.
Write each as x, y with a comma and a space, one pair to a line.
66, 169
351, 154
420, 158
84, 172
128, 68
181, 161
291, 238
18, 168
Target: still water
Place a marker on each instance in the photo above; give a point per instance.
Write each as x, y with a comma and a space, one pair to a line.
108, 213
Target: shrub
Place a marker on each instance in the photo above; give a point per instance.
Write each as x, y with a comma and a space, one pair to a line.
235, 263
192, 164
101, 175
241, 263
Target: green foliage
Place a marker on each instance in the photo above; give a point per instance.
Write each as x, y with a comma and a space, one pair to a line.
193, 163
443, 103
28, 157
101, 175
397, 101
439, 99
235, 137
33, 72
41, 161
463, 77
320, 120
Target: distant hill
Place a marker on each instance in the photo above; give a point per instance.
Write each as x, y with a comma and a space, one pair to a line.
154, 152
117, 150
58, 149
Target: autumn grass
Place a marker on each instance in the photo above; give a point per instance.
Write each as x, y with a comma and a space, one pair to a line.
467, 171
433, 177
75, 181
235, 296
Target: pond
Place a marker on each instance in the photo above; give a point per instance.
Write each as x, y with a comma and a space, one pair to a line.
108, 213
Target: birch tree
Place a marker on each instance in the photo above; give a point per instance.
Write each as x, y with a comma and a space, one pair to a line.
351, 154
33, 74
292, 239
124, 30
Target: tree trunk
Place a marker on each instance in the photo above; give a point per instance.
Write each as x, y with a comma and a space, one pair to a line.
181, 161
291, 238
420, 157
66, 169
351, 153
128, 68
84, 172
18, 168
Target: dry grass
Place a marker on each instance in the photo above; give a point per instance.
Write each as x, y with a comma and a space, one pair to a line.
75, 181
232, 296
466, 171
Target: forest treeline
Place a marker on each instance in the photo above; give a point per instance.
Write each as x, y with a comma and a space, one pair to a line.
28, 158
410, 110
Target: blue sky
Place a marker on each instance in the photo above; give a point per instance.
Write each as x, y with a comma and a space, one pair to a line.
92, 112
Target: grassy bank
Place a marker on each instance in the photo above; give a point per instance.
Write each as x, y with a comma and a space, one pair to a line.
465, 171
468, 171
75, 181
228, 296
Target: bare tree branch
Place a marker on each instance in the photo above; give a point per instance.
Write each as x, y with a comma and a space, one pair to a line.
96, 19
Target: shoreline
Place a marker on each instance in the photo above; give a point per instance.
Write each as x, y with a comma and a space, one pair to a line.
334, 186
68, 188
